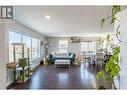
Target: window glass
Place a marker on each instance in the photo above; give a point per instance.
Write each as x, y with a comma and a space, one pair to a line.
88, 47
34, 48
63, 46
38, 49
84, 46
14, 38
27, 41
91, 46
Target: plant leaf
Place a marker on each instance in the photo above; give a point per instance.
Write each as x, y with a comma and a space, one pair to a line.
101, 75
102, 22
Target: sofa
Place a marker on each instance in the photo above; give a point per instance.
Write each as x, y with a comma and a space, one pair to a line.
61, 56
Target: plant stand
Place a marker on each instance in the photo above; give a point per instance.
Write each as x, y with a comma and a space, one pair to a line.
23, 75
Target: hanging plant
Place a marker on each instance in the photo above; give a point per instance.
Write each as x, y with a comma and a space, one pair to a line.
112, 67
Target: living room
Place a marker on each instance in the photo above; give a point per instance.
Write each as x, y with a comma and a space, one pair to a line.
61, 47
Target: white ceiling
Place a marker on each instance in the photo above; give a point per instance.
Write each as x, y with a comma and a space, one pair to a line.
65, 20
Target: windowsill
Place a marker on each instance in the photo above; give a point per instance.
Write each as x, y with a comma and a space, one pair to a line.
34, 58
30, 60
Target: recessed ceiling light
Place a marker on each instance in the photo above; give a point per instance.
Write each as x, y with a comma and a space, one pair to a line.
48, 17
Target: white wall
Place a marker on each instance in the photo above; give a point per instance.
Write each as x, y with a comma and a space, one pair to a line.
2, 57
17, 27
72, 47
123, 52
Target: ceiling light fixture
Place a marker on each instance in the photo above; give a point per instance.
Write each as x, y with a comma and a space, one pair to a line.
48, 17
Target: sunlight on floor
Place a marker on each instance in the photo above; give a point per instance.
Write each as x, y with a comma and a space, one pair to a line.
63, 78
86, 75
35, 81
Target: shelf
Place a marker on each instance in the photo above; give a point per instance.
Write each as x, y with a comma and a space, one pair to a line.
20, 78
11, 65
20, 81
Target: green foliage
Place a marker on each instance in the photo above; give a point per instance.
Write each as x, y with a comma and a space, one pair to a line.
108, 38
102, 22
115, 10
112, 67
101, 75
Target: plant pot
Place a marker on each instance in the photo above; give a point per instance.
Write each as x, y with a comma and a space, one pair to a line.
101, 87
45, 61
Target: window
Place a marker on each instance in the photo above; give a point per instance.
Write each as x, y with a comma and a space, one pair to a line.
38, 48
34, 48
63, 46
27, 41
14, 38
91, 46
31, 43
88, 47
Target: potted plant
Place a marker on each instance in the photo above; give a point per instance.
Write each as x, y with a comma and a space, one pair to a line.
77, 60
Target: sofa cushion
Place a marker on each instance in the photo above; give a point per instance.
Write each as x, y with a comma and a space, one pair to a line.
71, 55
62, 55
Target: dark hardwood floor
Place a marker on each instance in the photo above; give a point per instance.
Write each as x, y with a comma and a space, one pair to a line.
49, 77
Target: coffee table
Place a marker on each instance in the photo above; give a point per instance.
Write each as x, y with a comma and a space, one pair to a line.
62, 62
